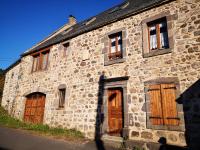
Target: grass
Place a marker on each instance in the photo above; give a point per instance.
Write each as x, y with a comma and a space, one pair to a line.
8, 121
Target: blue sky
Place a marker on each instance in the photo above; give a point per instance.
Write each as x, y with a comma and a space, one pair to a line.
23, 23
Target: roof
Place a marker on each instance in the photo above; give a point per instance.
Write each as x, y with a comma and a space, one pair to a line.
121, 11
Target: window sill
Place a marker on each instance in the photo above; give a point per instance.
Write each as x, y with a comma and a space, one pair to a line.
166, 127
38, 71
157, 52
115, 61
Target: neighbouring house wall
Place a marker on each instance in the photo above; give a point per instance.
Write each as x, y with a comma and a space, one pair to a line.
10, 92
81, 73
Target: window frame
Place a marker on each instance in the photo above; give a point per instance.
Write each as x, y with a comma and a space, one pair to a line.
158, 33
145, 34
40, 56
169, 80
118, 54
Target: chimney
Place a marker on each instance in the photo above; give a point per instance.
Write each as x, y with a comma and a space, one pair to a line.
72, 20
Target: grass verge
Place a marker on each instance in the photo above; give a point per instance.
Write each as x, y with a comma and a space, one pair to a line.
8, 121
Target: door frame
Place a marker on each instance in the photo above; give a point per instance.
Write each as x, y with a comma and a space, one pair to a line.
112, 83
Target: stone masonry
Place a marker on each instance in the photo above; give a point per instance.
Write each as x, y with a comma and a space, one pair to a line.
80, 73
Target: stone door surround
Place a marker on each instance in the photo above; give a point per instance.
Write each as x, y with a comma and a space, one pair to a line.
119, 82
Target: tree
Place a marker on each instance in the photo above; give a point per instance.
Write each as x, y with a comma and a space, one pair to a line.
1, 71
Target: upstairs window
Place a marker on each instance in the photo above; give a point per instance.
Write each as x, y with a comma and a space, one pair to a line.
115, 46
115, 43
158, 34
62, 93
40, 60
66, 47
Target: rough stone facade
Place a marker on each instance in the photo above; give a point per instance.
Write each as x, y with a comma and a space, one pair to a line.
83, 65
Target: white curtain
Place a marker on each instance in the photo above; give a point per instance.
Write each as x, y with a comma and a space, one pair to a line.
113, 46
153, 38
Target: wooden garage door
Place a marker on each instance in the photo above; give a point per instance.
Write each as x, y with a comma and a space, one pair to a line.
34, 108
115, 112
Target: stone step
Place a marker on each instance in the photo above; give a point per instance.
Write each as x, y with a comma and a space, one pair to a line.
113, 140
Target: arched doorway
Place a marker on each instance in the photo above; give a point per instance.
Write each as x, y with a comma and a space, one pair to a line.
34, 108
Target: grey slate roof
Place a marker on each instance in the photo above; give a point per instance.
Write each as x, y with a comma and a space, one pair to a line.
111, 15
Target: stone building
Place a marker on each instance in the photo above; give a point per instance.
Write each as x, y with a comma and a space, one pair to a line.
130, 71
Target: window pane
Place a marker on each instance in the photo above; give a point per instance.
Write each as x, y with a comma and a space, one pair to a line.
116, 45
163, 35
44, 61
120, 42
113, 49
35, 63
113, 42
61, 97
153, 37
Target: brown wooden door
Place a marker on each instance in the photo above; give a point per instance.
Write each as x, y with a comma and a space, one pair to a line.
34, 108
115, 109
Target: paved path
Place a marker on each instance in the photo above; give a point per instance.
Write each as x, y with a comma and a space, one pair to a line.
11, 139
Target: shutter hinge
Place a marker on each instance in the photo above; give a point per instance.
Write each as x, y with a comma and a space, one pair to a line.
155, 117
170, 88
173, 118
153, 89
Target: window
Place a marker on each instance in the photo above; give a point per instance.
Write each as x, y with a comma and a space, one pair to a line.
115, 46
66, 47
115, 43
40, 61
158, 34
163, 107
62, 93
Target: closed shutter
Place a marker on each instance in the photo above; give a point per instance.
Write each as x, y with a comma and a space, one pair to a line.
155, 105
169, 104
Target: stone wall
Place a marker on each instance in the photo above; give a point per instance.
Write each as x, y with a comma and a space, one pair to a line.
81, 69
10, 93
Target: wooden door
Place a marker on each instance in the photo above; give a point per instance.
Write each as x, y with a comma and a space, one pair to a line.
34, 108
115, 112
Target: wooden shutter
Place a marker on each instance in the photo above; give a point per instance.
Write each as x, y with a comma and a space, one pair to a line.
155, 105
169, 104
